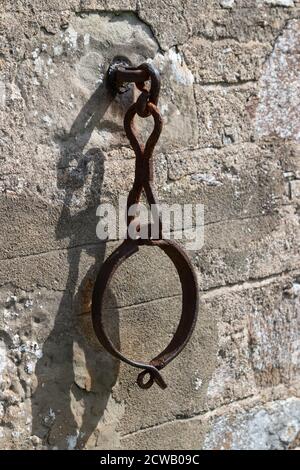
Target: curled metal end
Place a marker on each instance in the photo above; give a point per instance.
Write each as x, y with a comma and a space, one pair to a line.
154, 376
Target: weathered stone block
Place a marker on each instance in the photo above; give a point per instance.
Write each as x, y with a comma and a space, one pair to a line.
279, 85
26, 6
279, 3
224, 61
265, 427
107, 5
148, 275
219, 179
257, 340
225, 114
295, 189
163, 437
232, 252
242, 24
168, 21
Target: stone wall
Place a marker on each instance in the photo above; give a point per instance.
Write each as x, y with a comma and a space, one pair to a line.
230, 103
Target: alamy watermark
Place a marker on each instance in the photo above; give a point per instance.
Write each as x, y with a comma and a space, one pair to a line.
179, 222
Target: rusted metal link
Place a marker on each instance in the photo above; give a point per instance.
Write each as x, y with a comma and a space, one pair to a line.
146, 105
131, 75
139, 76
143, 110
144, 162
119, 75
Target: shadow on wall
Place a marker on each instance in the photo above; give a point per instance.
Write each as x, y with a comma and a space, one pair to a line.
75, 376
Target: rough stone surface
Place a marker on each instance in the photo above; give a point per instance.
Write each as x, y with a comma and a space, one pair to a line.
274, 427
279, 101
225, 61
229, 100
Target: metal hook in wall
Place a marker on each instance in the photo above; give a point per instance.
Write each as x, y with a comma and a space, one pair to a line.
120, 74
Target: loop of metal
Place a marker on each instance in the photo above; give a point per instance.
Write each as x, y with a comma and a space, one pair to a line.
146, 105
144, 163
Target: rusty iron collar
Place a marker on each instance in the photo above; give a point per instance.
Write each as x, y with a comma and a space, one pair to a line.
146, 105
